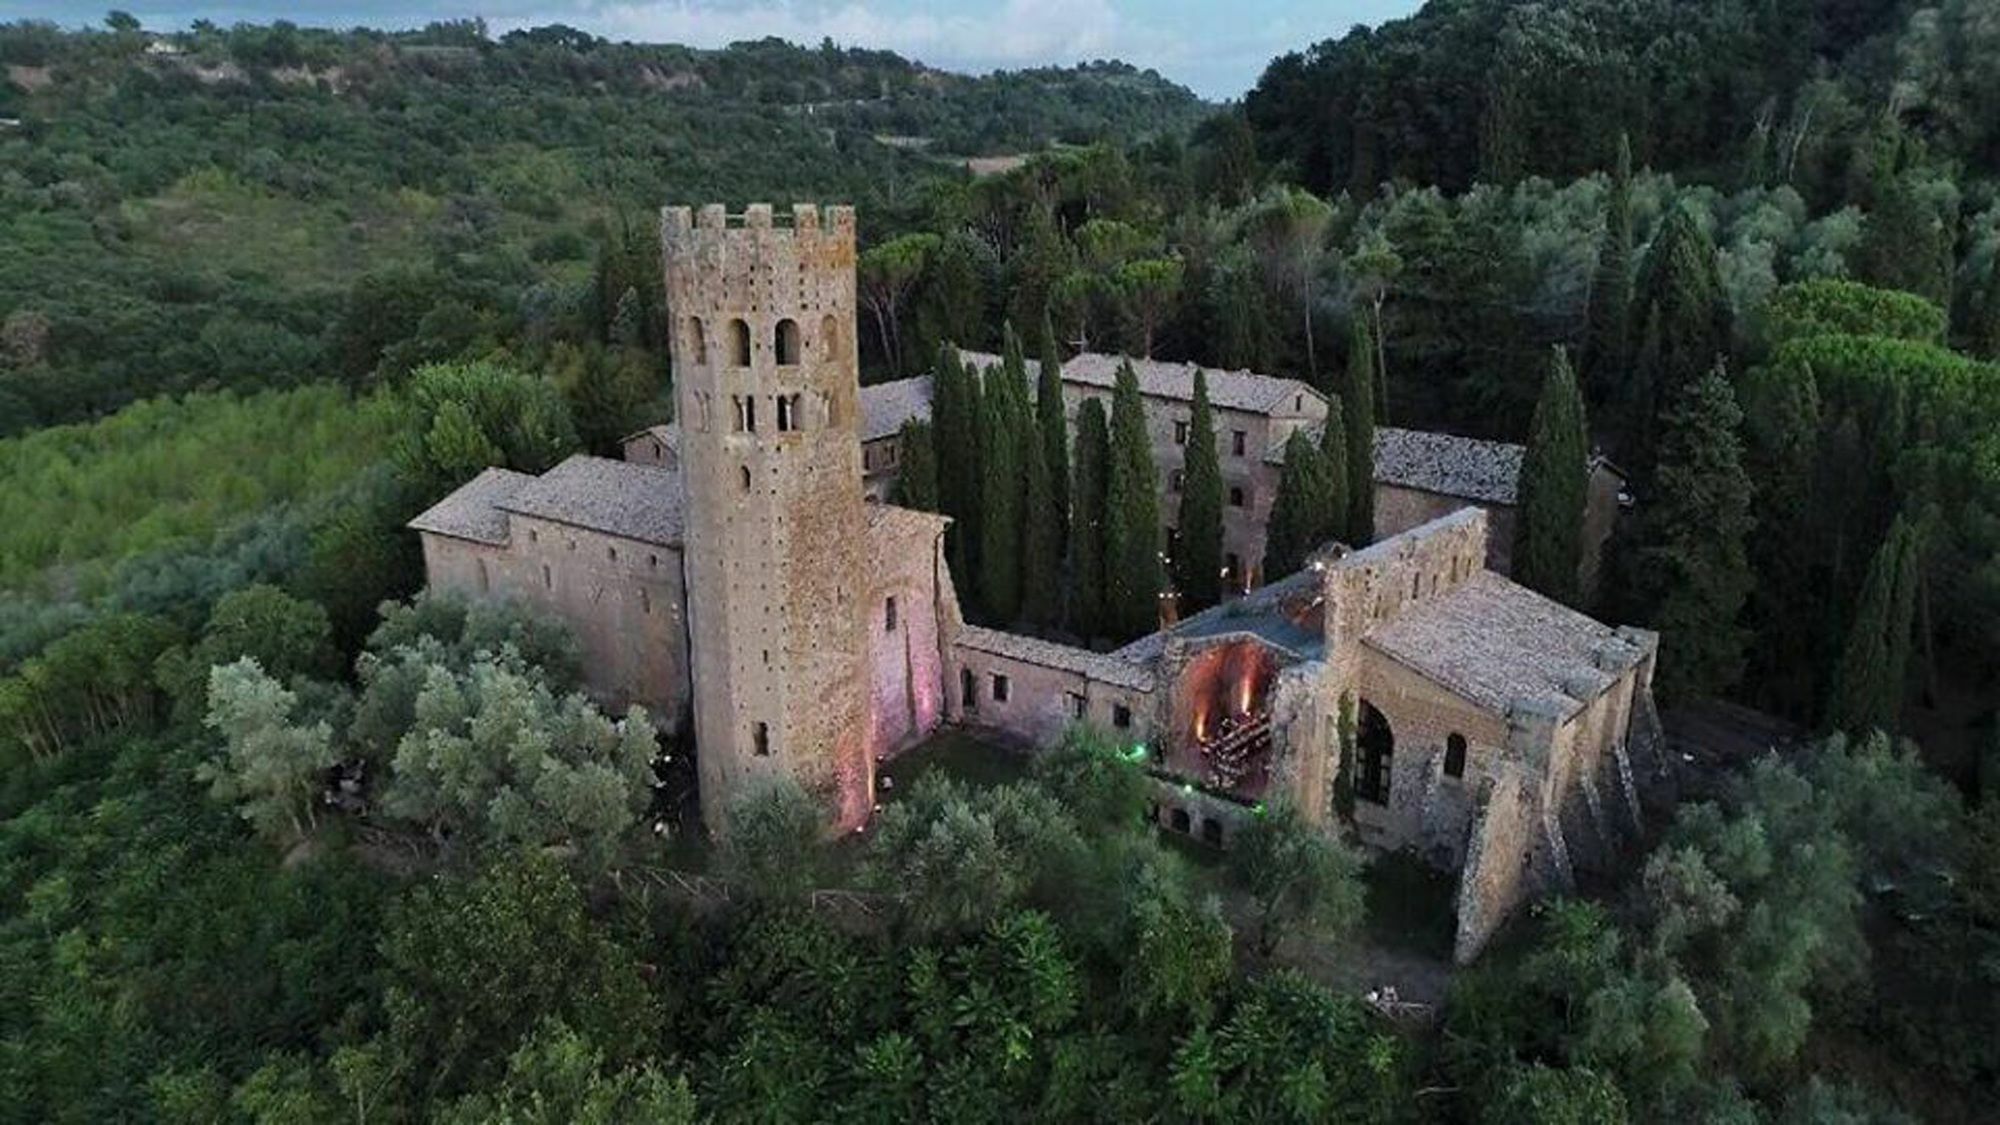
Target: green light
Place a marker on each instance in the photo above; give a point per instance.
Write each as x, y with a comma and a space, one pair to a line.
1187, 787
1258, 808
1137, 753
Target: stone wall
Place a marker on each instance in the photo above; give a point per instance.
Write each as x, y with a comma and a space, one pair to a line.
622, 598
1398, 509
1427, 810
1042, 699
909, 622
649, 448
1495, 878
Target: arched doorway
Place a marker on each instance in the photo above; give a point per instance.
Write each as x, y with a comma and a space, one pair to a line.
1374, 750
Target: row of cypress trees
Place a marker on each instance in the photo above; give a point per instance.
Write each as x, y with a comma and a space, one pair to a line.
1037, 515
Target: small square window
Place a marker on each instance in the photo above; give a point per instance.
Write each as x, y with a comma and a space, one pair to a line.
1238, 442
1077, 706
1180, 433
1236, 496
1001, 688
1121, 716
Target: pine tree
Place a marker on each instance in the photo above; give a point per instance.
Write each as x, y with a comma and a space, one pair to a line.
1358, 402
1298, 511
1334, 465
1681, 303
1554, 485
1691, 569
917, 470
1000, 442
1086, 519
1608, 333
1132, 578
1198, 565
1051, 418
1868, 681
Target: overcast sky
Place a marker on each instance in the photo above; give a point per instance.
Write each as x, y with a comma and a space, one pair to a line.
1218, 47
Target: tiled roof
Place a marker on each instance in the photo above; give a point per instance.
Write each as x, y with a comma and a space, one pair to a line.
1449, 465
1271, 613
1102, 667
622, 498
1231, 390
886, 406
667, 433
890, 520
473, 510
1499, 643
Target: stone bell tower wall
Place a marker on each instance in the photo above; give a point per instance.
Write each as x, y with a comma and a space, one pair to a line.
761, 309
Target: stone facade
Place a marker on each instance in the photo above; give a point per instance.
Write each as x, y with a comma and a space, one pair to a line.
767, 387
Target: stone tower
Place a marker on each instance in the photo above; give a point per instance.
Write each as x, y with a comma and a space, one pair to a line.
767, 392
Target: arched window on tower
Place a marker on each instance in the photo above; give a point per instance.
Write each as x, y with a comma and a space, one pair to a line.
697, 340
786, 342
739, 342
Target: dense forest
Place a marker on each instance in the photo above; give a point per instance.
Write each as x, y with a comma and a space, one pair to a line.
284, 839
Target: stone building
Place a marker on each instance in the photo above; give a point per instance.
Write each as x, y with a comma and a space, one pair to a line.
1419, 475
1404, 689
733, 576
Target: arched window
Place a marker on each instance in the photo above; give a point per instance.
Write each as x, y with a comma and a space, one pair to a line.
745, 470
697, 340
1181, 821
1375, 749
739, 342
1454, 755
786, 342
1235, 496
829, 337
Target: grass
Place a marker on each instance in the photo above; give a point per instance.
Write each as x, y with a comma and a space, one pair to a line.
1410, 905
957, 754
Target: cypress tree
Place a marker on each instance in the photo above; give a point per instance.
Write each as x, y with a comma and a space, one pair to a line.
1051, 418
1041, 540
1868, 681
1132, 577
1334, 466
1298, 511
955, 447
1608, 333
917, 473
1788, 555
1554, 486
1691, 569
1986, 338
1358, 399
1086, 519
1198, 565
1000, 480
1680, 301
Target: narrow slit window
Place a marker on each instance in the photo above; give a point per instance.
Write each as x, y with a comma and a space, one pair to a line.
697, 340
1454, 756
760, 739
889, 615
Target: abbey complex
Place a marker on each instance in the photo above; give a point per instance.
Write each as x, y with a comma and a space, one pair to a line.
742, 571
